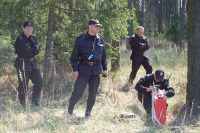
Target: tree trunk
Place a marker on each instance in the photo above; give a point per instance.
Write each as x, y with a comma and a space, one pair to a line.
182, 29
130, 23
193, 76
160, 16
142, 13
47, 55
115, 63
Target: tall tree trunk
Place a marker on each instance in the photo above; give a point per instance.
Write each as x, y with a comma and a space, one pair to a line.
193, 76
47, 55
115, 63
130, 23
134, 3
160, 16
142, 13
182, 29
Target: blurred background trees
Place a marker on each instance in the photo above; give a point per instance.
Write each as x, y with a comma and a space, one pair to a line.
58, 22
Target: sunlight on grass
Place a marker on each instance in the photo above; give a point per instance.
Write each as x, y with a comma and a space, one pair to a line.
110, 103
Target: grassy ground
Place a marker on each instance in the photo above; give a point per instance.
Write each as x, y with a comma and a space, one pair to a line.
110, 103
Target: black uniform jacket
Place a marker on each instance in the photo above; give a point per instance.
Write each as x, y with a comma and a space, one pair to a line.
148, 80
26, 49
138, 45
81, 55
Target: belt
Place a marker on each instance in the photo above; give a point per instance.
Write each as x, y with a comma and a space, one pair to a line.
90, 63
26, 59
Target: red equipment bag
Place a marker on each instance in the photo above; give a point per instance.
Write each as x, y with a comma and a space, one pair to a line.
160, 106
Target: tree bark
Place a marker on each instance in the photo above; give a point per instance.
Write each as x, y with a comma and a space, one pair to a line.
142, 13
182, 28
47, 55
115, 63
193, 76
130, 22
160, 16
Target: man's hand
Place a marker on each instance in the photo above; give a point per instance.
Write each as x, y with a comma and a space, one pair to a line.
75, 75
151, 88
37, 47
105, 73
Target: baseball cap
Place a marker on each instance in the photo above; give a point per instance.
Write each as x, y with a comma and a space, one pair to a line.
28, 23
94, 22
159, 74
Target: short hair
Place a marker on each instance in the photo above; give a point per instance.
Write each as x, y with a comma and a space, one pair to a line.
140, 27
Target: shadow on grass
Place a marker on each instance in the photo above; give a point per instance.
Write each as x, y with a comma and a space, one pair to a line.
184, 117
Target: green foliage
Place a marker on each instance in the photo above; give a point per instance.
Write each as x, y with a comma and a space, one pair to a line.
115, 20
114, 16
71, 18
172, 32
135, 19
6, 52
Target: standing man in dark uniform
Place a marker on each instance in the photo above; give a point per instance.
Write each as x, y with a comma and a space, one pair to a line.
139, 45
26, 49
145, 86
88, 60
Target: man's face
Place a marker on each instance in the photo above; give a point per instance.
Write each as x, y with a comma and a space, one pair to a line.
28, 30
94, 28
140, 32
155, 79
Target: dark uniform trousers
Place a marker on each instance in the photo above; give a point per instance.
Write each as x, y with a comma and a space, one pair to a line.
136, 65
79, 87
23, 78
147, 103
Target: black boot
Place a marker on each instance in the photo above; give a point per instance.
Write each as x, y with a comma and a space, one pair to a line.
88, 113
22, 100
70, 109
35, 101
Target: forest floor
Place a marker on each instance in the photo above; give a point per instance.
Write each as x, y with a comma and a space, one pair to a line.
111, 102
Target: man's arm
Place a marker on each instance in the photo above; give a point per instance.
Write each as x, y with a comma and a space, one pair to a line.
141, 85
74, 58
104, 60
34, 45
24, 48
140, 46
169, 91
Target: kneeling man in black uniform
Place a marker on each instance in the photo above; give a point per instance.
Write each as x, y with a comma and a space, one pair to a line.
145, 86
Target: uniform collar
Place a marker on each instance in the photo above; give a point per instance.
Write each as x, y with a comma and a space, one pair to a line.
24, 36
87, 36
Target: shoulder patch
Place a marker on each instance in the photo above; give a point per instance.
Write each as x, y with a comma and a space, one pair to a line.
20, 38
100, 35
144, 37
133, 36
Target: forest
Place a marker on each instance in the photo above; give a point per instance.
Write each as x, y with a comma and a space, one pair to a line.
172, 28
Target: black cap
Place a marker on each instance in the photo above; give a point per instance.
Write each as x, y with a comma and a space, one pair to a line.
28, 23
159, 74
94, 22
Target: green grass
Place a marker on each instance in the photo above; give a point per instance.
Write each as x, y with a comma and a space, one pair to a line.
110, 103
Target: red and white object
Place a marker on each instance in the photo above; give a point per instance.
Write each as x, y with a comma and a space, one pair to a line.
159, 108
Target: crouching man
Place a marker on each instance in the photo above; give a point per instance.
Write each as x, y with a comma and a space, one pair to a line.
146, 85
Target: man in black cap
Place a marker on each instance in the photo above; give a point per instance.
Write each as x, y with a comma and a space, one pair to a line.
145, 86
26, 49
88, 60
